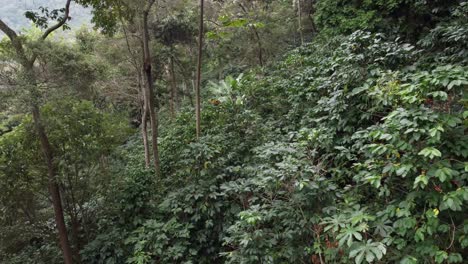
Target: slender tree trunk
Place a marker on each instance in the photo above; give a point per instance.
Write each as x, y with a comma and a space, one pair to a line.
70, 204
256, 36
54, 189
311, 18
299, 18
141, 85
171, 97
75, 229
259, 43
144, 130
174, 90
149, 93
199, 66
189, 91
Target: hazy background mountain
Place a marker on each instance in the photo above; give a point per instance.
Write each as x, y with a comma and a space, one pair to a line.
12, 12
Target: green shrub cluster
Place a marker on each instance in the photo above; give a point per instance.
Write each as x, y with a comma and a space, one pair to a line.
352, 149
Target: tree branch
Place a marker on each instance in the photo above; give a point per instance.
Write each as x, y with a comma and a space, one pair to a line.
60, 23
15, 41
148, 7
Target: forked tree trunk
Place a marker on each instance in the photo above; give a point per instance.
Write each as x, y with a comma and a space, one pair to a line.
143, 103
149, 92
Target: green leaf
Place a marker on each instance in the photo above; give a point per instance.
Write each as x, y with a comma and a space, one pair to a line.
440, 94
454, 83
237, 23
419, 235
347, 236
440, 256
455, 258
421, 181
370, 257
409, 260
403, 170
445, 173
360, 257
430, 152
369, 250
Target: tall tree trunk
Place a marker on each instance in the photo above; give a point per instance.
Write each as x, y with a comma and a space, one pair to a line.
141, 85
70, 205
144, 129
75, 229
259, 43
28, 65
54, 189
171, 103
311, 19
189, 91
149, 92
171, 89
299, 20
199, 66
174, 90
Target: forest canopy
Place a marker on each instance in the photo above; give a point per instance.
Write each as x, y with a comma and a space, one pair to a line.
234, 131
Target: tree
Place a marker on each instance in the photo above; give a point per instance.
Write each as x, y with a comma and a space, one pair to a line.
149, 92
144, 102
27, 63
199, 66
107, 15
298, 3
174, 99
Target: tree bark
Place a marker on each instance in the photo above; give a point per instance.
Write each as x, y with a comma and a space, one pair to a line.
144, 130
149, 92
143, 104
54, 189
259, 43
174, 91
199, 66
311, 12
299, 18
171, 91
75, 229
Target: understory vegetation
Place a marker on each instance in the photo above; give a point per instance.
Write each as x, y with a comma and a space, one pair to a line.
349, 146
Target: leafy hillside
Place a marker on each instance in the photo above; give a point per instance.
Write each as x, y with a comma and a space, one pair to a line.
345, 142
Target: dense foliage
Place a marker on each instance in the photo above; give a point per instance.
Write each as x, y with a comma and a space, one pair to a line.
351, 148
